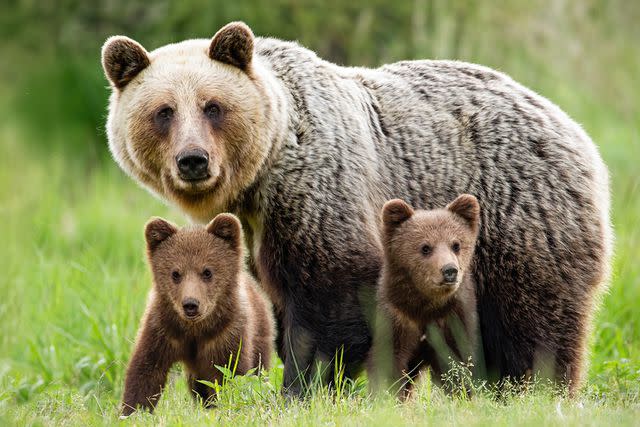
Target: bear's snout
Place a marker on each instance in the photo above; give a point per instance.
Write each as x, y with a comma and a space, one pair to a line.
190, 307
450, 273
193, 164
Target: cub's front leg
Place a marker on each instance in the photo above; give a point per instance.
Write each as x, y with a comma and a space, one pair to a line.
406, 358
147, 372
204, 368
202, 392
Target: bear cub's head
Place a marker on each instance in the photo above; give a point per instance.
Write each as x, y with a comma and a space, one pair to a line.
431, 249
195, 269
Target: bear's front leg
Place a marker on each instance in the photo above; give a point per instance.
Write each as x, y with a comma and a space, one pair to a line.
147, 372
203, 392
407, 359
205, 368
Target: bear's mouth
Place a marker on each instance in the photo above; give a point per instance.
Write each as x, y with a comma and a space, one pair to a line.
193, 188
195, 180
193, 319
444, 283
197, 186
448, 287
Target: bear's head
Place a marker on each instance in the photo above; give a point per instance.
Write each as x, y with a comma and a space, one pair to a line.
192, 121
433, 249
195, 269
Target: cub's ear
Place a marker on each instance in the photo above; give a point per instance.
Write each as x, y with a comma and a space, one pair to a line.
233, 45
123, 59
226, 226
467, 207
395, 212
157, 231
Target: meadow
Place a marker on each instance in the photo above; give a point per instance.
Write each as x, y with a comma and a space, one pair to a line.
73, 277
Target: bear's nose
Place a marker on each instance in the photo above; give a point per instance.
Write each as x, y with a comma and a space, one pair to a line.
190, 306
450, 273
193, 164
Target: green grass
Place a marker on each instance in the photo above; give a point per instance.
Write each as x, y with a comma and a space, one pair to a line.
73, 278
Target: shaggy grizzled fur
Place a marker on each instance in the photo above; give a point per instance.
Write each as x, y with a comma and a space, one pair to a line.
231, 317
308, 152
432, 311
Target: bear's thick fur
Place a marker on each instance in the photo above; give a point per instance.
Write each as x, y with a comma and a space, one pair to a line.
426, 291
306, 152
202, 310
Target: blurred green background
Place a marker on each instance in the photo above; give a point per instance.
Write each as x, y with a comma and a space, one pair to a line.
72, 273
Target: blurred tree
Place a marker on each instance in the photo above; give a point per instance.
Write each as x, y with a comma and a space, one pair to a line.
54, 75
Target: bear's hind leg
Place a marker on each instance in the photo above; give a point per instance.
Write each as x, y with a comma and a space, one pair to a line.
299, 348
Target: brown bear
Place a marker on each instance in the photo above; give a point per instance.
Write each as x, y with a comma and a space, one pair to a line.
202, 309
306, 152
426, 289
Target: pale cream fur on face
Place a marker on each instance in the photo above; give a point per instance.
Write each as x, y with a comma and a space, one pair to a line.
183, 77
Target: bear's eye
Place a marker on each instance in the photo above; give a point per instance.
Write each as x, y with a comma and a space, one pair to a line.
213, 112
206, 274
455, 247
164, 115
162, 120
175, 276
426, 250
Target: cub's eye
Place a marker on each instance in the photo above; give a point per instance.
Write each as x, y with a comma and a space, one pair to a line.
175, 276
165, 114
426, 250
206, 274
213, 112
455, 247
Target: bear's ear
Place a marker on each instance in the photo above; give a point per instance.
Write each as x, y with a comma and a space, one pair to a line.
467, 207
395, 212
233, 45
227, 227
123, 59
157, 231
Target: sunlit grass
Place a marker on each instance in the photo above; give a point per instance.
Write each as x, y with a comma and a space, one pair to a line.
73, 278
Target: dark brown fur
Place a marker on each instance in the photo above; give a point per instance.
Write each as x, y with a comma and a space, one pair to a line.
233, 45
431, 319
232, 313
124, 59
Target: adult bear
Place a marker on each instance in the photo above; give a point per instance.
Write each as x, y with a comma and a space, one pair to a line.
306, 152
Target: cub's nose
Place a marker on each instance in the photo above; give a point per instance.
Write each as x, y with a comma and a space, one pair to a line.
190, 307
450, 273
193, 164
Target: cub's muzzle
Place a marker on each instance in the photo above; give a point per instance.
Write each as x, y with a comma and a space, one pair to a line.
450, 273
190, 307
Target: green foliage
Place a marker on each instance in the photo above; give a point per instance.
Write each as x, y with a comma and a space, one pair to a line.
74, 276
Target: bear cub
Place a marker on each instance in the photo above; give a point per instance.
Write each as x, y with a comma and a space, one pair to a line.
427, 292
202, 309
